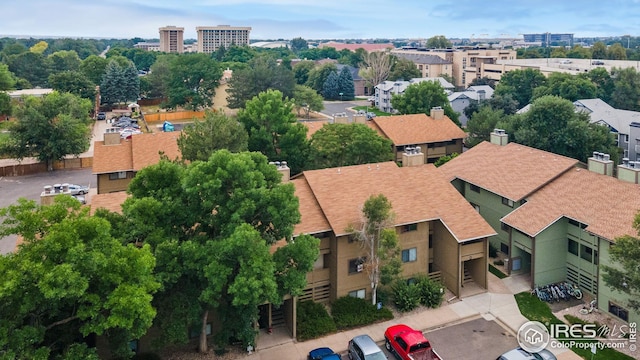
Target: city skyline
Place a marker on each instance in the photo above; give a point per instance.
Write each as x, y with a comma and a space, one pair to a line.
329, 19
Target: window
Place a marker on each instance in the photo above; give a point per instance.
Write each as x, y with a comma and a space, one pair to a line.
504, 227
356, 265
474, 188
586, 253
430, 241
409, 227
619, 311
504, 248
573, 247
577, 224
507, 202
410, 255
118, 175
357, 294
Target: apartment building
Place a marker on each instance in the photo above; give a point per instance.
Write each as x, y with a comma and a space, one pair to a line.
466, 62
429, 65
117, 160
435, 135
459, 100
385, 91
172, 39
549, 39
210, 38
555, 221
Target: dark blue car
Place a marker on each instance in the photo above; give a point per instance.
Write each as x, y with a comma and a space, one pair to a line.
323, 353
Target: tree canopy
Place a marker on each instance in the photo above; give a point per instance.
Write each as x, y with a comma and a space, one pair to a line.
49, 128
520, 84
404, 69
481, 124
421, 98
438, 42
69, 279
336, 145
623, 276
262, 74
376, 67
215, 132
306, 99
566, 86
192, 81
274, 130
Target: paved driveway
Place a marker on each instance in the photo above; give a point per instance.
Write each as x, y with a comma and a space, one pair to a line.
30, 186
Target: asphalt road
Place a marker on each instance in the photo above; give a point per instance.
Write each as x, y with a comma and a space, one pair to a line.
30, 187
334, 107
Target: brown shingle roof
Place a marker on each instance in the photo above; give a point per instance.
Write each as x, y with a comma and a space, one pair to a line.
605, 204
417, 194
313, 126
312, 219
135, 153
112, 158
417, 129
512, 171
111, 201
147, 148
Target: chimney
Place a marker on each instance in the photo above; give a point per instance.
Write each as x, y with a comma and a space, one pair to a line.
600, 163
412, 156
481, 95
629, 171
499, 137
283, 169
437, 113
112, 137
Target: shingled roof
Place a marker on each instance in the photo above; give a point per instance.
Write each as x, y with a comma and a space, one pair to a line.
605, 204
416, 129
512, 171
335, 197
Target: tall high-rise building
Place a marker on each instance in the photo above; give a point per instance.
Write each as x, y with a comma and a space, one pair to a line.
210, 38
172, 39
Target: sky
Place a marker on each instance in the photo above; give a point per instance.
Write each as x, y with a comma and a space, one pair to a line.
321, 19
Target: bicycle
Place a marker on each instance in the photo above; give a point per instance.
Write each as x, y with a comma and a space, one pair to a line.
592, 307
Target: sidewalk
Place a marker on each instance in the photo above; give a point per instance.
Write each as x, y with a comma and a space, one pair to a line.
498, 304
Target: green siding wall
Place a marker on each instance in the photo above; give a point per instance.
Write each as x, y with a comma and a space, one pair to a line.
550, 254
492, 210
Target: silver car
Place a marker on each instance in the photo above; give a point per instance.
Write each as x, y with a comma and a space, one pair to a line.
521, 354
362, 347
78, 189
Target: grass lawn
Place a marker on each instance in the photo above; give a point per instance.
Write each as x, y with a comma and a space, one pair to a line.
371, 109
534, 309
494, 270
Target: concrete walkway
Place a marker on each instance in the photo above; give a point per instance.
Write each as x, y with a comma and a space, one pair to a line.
497, 304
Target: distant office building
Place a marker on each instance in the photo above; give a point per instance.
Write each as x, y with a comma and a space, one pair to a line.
549, 39
148, 46
172, 39
210, 38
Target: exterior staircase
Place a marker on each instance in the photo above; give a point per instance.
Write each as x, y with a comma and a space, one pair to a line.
277, 317
467, 276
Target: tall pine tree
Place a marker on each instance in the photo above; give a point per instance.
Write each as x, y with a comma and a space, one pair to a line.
112, 88
346, 84
331, 87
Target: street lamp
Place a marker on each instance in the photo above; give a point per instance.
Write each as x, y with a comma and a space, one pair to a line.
341, 96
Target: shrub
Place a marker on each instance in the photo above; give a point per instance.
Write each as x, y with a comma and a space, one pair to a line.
349, 312
493, 250
313, 321
430, 292
406, 297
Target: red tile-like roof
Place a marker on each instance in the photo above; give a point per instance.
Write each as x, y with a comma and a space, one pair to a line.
353, 47
133, 154
110, 201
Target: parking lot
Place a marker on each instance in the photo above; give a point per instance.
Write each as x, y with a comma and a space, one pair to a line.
31, 186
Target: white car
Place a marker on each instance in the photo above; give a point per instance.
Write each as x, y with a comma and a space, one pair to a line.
126, 133
78, 189
521, 354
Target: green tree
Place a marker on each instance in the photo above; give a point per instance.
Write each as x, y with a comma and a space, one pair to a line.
421, 98
505, 102
376, 67
626, 89
301, 71
579, 52
31, 67
345, 83
241, 54
552, 124
49, 128
63, 60
6, 78
445, 159
306, 99
39, 48
199, 220
559, 52
112, 87
380, 241
263, 74
160, 77
336, 145
69, 279
274, 130
193, 79
5, 104
520, 84
623, 275
331, 88
298, 44
438, 42
73, 82
216, 131
131, 83
94, 68
481, 124
616, 52
318, 76
404, 69
601, 78
566, 86
599, 50
483, 81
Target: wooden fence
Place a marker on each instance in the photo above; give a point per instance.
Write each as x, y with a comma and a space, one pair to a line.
18, 169
173, 116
